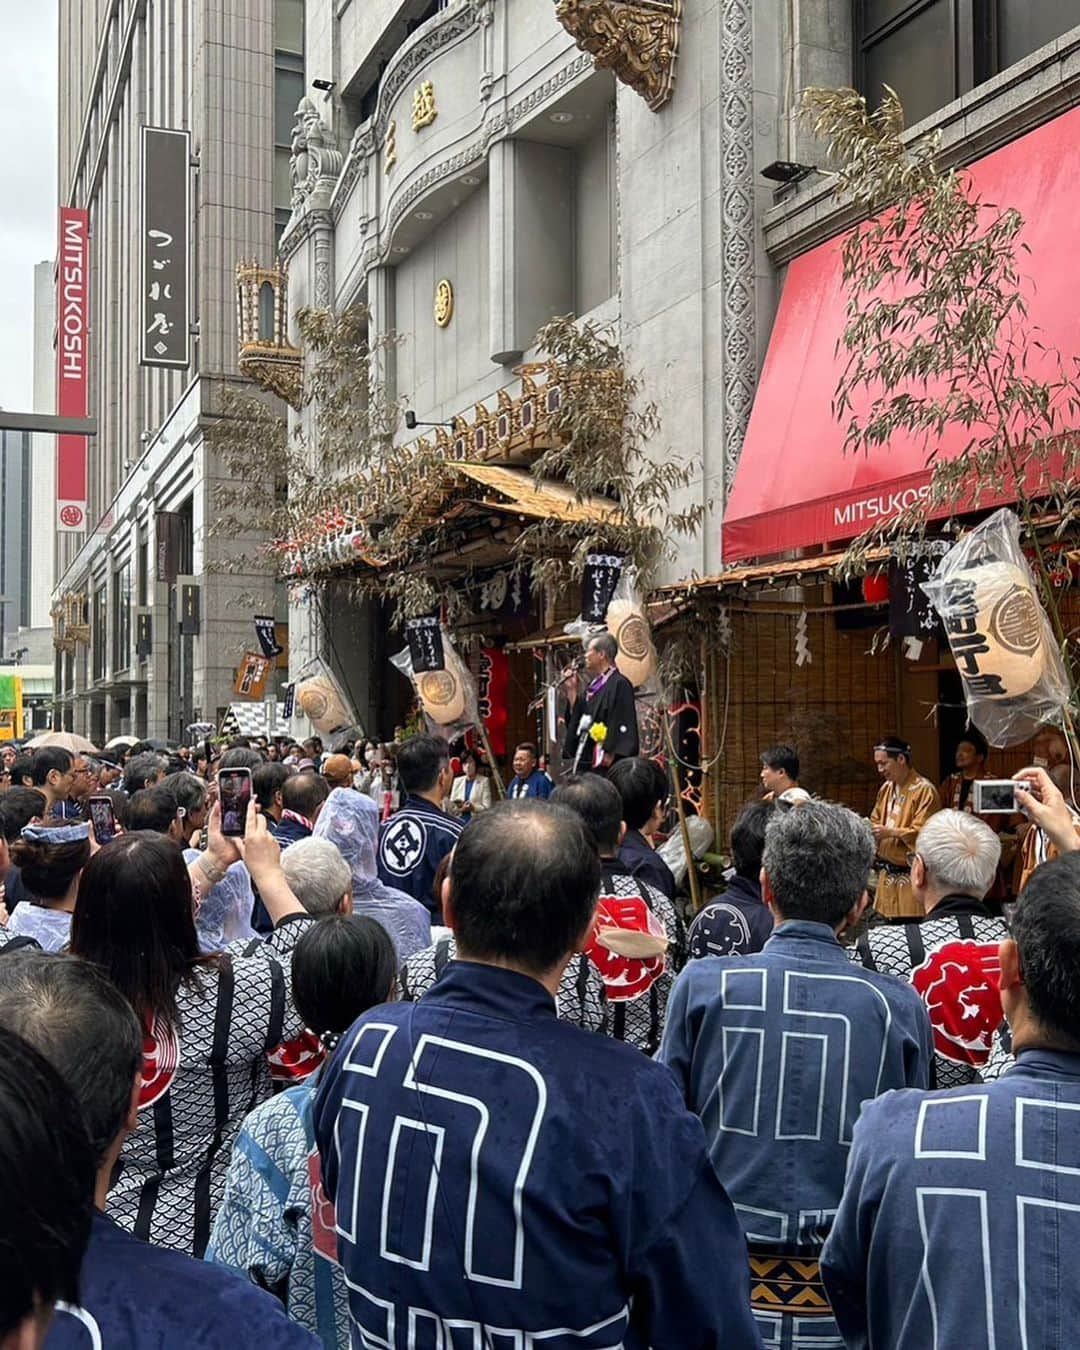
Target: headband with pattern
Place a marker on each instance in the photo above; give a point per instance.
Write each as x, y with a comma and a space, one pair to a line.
57, 834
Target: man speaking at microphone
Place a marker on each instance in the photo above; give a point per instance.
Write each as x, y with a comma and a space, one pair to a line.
601, 723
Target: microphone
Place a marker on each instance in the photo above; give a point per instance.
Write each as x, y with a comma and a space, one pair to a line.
583, 729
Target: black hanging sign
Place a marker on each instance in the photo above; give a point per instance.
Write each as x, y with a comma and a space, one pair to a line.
290, 697
189, 608
170, 528
910, 612
264, 631
424, 636
601, 576
165, 252
144, 633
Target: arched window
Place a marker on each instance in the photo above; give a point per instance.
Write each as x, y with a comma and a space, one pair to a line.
266, 312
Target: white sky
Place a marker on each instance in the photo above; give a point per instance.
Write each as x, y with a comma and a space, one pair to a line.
27, 182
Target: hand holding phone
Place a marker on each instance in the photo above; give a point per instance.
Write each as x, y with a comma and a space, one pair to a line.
103, 818
234, 786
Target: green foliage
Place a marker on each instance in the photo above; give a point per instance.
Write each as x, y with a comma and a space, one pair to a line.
341, 467
607, 433
938, 335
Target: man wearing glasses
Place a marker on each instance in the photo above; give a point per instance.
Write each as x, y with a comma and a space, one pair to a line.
75, 806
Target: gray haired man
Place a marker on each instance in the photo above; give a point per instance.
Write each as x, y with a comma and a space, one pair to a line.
777, 1052
951, 955
318, 876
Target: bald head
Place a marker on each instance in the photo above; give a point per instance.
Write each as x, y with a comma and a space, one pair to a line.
524, 880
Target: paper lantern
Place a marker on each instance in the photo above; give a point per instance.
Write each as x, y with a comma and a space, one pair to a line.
321, 704
995, 627
627, 624
442, 692
875, 589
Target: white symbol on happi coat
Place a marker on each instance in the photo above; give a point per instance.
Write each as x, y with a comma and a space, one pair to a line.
403, 845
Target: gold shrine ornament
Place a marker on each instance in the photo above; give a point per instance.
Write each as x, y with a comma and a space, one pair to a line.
444, 303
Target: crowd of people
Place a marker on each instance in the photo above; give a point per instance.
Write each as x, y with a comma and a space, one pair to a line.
406, 1065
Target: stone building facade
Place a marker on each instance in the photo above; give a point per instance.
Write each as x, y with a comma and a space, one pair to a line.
230, 74
607, 158
478, 144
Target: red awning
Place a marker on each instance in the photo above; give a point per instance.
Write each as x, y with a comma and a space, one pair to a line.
794, 486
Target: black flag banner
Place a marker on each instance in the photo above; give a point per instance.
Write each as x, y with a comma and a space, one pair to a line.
598, 582
290, 699
424, 636
910, 612
264, 631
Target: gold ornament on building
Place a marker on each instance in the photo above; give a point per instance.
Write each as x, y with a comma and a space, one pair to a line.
636, 39
444, 303
424, 111
262, 325
71, 622
390, 147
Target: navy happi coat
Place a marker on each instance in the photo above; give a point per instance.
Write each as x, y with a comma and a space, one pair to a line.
499, 1174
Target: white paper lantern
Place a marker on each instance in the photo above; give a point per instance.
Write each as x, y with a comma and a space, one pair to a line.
995, 626
627, 624
442, 692
320, 702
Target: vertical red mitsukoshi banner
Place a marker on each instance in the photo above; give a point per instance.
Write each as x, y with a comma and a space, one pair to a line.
72, 388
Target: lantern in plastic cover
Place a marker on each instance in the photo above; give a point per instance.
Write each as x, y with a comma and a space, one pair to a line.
994, 624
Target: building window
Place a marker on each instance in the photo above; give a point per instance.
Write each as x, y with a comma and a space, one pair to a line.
99, 633
142, 579
1023, 26
288, 91
121, 607
933, 51
289, 26
266, 312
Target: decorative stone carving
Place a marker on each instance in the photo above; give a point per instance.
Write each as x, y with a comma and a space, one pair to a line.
443, 30
636, 39
262, 325
314, 159
357, 165
324, 291
738, 344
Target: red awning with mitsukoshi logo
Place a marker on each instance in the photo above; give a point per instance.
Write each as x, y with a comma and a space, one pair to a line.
794, 486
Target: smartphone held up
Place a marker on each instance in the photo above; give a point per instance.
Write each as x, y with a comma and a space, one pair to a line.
103, 817
234, 788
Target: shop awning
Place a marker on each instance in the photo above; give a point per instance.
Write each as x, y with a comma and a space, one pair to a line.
794, 486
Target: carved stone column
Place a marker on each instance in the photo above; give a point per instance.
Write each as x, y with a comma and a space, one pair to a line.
737, 343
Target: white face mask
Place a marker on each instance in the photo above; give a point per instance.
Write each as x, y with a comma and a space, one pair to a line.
370, 755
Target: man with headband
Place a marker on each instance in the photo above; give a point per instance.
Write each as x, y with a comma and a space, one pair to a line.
904, 804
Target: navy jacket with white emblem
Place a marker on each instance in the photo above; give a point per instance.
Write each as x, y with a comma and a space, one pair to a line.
412, 843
